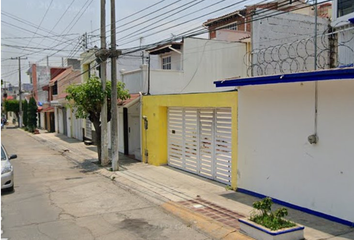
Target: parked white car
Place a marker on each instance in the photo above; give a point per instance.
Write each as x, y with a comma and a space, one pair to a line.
7, 170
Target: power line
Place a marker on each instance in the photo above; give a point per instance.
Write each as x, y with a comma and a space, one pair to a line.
45, 14
149, 14
24, 29
177, 25
142, 10
77, 17
53, 36
60, 18
24, 47
70, 40
16, 18
154, 18
183, 35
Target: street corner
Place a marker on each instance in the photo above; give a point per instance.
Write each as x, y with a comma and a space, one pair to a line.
206, 221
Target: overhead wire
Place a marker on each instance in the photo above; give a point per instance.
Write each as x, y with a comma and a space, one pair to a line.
48, 36
45, 14
154, 18
193, 32
182, 23
61, 17
180, 36
142, 10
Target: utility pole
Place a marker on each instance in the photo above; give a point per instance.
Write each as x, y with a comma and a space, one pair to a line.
19, 89
102, 55
114, 110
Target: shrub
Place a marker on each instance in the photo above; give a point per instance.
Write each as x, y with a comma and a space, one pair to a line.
264, 216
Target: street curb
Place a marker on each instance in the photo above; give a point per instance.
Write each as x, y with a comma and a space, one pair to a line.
211, 227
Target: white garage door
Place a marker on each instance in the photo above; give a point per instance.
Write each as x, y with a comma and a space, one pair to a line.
199, 141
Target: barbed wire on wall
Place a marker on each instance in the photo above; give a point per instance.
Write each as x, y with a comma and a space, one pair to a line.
299, 55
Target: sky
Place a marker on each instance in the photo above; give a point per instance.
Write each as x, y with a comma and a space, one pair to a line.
41, 30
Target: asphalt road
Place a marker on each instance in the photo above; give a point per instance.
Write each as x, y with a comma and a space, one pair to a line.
56, 199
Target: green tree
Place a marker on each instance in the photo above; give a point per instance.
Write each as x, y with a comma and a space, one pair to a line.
25, 114
13, 106
88, 98
32, 114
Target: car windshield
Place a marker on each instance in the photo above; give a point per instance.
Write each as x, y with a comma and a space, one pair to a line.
3, 154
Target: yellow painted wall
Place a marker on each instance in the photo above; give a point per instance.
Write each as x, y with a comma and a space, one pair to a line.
154, 140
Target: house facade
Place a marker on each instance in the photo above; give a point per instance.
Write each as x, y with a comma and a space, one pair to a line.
295, 130
40, 77
184, 121
128, 120
238, 24
65, 120
297, 148
196, 133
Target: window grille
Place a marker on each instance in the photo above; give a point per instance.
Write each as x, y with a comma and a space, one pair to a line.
166, 62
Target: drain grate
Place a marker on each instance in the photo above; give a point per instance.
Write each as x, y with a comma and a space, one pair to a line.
213, 211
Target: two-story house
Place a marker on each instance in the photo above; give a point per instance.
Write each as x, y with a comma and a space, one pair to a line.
126, 62
184, 120
65, 122
280, 31
40, 77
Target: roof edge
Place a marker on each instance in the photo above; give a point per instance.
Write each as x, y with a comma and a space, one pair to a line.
322, 75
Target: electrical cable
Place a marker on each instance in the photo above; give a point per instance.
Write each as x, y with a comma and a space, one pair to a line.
154, 18
45, 14
177, 25
66, 10
134, 49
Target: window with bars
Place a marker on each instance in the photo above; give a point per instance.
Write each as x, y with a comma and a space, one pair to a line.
345, 7
166, 62
232, 26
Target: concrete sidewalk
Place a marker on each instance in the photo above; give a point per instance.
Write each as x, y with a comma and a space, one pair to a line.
201, 203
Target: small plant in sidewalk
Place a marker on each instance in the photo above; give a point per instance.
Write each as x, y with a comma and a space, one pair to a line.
229, 188
263, 215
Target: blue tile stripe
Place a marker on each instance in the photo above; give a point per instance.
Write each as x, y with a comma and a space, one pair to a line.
302, 209
332, 74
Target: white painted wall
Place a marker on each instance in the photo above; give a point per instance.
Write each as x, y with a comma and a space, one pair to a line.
166, 81
135, 81
42, 116
346, 47
59, 125
176, 60
120, 130
77, 125
231, 35
204, 61
134, 130
275, 158
68, 121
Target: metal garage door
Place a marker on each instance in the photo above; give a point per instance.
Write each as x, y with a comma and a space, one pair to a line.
199, 141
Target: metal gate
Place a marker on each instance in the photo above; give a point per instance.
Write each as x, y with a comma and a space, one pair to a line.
199, 141
88, 133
